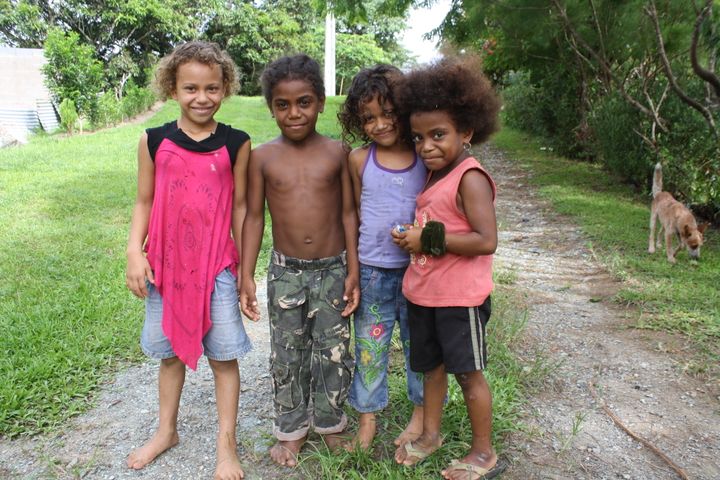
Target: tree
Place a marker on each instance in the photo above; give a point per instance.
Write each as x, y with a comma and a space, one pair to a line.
594, 63
383, 27
72, 71
355, 12
139, 30
254, 36
355, 52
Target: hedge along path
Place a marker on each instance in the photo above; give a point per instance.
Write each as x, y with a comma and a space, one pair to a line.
588, 339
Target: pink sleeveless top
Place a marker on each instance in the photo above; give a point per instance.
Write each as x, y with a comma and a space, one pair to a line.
189, 239
449, 280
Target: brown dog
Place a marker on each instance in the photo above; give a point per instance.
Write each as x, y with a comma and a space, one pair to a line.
675, 219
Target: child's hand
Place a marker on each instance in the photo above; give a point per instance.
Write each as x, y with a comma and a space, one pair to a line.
351, 295
248, 300
138, 269
409, 240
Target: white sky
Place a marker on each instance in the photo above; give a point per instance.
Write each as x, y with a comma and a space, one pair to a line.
420, 22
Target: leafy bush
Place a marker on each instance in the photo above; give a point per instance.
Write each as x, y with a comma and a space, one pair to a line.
688, 152
68, 115
136, 100
616, 145
692, 155
109, 111
520, 100
73, 72
548, 108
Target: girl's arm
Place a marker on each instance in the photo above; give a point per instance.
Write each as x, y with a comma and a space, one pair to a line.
240, 198
356, 160
475, 199
350, 227
138, 268
252, 235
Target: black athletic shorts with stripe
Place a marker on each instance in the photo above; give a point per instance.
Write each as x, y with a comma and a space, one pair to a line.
454, 336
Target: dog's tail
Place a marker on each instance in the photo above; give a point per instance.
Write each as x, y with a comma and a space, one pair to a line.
657, 180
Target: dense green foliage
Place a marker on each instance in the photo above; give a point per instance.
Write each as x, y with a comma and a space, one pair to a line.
125, 36
68, 115
256, 35
607, 80
99, 53
73, 72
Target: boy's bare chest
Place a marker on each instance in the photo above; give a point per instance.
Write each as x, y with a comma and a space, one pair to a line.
288, 175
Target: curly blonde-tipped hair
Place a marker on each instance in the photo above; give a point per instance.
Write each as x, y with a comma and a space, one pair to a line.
207, 53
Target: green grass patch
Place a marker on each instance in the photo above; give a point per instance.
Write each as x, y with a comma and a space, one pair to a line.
679, 298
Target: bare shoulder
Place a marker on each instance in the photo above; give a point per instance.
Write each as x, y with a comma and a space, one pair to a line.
358, 155
267, 150
336, 147
476, 181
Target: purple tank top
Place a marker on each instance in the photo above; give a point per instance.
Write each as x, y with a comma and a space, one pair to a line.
387, 199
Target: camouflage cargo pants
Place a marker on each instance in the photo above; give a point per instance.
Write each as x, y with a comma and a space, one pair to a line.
310, 359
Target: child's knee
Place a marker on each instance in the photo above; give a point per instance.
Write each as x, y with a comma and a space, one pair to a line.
172, 362
223, 366
470, 380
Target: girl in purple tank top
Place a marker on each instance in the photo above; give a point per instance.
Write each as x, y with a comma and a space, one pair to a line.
387, 176
182, 258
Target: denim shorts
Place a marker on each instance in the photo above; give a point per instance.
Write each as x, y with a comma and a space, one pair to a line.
226, 339
382, 306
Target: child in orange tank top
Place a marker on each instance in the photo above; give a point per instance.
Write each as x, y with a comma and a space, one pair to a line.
447, 107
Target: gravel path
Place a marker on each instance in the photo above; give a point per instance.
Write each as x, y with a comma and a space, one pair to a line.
638, 374
571, 319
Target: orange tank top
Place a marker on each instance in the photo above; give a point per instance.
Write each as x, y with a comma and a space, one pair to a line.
449, 280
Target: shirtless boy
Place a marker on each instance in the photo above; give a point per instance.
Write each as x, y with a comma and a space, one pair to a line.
313, 277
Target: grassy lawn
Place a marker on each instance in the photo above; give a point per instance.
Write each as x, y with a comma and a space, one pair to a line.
676, 298
69, 322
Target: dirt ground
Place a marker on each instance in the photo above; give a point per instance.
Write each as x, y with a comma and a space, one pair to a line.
567, 435
638, 375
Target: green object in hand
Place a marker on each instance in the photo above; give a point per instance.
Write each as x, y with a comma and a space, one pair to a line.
432, 238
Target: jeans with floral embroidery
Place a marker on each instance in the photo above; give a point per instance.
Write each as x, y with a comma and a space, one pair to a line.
382, 305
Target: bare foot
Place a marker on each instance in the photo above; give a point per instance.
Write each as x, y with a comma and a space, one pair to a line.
228, 464
365, 435
410, 453
335, 441
160, 442
285, 453
413, 429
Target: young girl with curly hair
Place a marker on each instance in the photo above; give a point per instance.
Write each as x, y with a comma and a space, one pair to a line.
182, 258
387, 176
449, 106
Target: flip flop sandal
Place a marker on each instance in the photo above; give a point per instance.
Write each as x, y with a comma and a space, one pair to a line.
476, 472
412, 452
